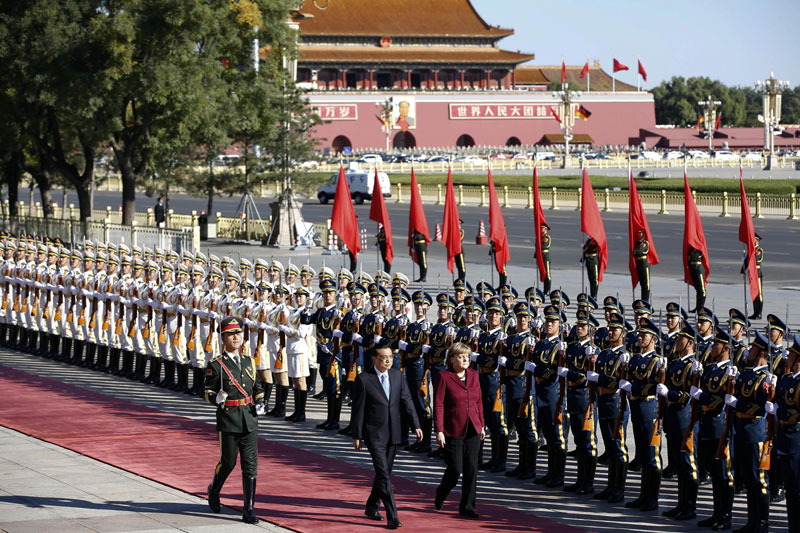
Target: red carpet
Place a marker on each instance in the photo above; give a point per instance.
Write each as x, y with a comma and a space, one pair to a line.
297, 489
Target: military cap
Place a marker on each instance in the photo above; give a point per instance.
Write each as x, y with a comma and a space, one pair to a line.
125, 260
760, 341
148, 253
200, 258
522, 308
11, 244
230, 325
136, 250
641, 307
327, 285
282, 289
446, 300
401, 294
292, 269
721, 336
197, 270
88, 245
88, 256
113, 259
138, 264
159, 253
216, 272
648, 326
552, 312
587, 301
558, 296
101, 258
372, 289
245, 263
173, 255
249, 285
276, 266
737, 317
382, 277
794, 349
52, 251
495, 304
478, 306
301, 291
507, 291
356, 287
308, 271
400, 279
775, 322
708, 315
534, 293
187, 256
261, 263
462, 285
365, 279
214, 260
422, 297
226, 262
41, 249
232, 275
757, 236
183, 269
610, 302
168, 267
344, 273
675, 309
616, 320
151, 266
77, 254
326, 273
585, 317
264, 286
484, 288
688, 331
124, 249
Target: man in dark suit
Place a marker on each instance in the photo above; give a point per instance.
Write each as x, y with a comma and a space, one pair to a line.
158, 211
378, 398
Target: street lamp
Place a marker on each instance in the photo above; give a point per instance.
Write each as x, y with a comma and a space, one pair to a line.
771, 96
385, 110
566, 110
710, 119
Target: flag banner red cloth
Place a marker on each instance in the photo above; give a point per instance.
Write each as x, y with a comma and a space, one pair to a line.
451, 226
693, 234
555, 114
747, 234
343, 218
637, 221
538, 220
497, 230
563, 72
700, 120
592, 223
416, 217
378, 213
719, 118
619, 66
584, 70
642, 71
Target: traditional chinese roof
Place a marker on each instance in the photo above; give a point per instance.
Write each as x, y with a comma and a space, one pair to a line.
408, 55
395, 19
558, 138
600, 80
736, 138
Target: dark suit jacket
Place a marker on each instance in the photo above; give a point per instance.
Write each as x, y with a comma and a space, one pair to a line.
158, 211
454, 405
234, 419
376, 419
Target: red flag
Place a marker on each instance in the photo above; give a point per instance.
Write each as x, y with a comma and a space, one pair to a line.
619, 66
637, 221
747, 234
497, 231
592, 223
451, 230
585, 70
642, 71
538, 221
719, 118
563, 72
555, 114
378, 213
343, 218
416, 217
693, 234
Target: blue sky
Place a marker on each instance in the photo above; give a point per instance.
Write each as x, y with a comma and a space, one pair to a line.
725, 40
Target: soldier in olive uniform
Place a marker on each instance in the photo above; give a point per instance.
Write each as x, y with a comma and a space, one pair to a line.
387, 266
459, 258
758, 303
591, 263
421, 255
544, 242
416, 337
231, 385
698, 275
640, 251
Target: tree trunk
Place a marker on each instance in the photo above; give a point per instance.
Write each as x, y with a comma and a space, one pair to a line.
128, 190
12, 173
210, 191
84, 201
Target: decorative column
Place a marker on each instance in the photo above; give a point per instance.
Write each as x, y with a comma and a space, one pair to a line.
371, 80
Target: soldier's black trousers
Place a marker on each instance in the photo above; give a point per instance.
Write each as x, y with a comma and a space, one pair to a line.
233, 444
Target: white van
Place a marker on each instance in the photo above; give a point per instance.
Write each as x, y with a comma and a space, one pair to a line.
361, 183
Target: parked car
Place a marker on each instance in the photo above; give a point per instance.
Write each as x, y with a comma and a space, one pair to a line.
226, 160
724, 155
370, 159
544, 156
674, 154
652, 156
697, 154
438, 159
596, 155
752, 156
361, 184
471, 160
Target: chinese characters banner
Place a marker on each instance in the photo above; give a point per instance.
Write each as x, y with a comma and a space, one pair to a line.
500, 111
337, 111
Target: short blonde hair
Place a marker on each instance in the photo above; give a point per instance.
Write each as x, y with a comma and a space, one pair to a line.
456, 349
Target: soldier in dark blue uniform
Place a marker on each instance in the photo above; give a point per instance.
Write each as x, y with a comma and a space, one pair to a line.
490, 348
509, 295
416, 337
786, 407
777, 333
468, 333
545, 357
535, 299
326, 320
373, 322
643, 370
610, 305
738, 327
439, 340
609, 369
676, 318
706, 322
352, 353
676, 389
751, 393
580, 358
717, 376
395, 326
519, 406
641, 309
461, 289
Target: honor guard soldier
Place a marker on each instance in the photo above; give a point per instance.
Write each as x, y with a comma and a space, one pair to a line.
396, 324
387, 265
676, 318
585, 303
484, 291
276, 349
258, 334
641, 310
641, 249
416, 337
786, 409
753, 389
544, 243
461, 289
580, 358
459, 258
610, 368
439, 340
697, 272
352, 353
420, 256
546, 358
535, 299
469, 332
706, 322
509, 295
490, 348
643, 371
518, 404
373, 322
591, 262
739, 324
231, 385
714, 383
298, 352
290, 276
777, 333
758, 303
610, 306
680, 422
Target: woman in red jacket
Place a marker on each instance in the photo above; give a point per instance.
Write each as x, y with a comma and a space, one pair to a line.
458, 416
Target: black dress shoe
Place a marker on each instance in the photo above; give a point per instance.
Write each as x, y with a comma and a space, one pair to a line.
779, 495
469, 514
373, 515
394, 525
438, 504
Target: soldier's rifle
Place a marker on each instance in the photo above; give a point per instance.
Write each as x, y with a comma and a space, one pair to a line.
498, 397
190, 344
562, 382
336, 345
209, 344
619, 434
526, 395
588, 420
655, 439
281, 337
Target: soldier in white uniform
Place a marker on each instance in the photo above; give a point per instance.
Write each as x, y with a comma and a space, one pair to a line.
258, 326
276, 350
299, 338
191, 327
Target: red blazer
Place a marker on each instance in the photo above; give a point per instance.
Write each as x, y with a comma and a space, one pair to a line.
454, 405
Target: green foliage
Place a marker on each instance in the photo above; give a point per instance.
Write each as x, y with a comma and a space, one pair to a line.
555, 85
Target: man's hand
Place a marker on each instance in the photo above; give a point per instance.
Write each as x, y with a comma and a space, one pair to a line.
261, 409
357, 444
483, 433
440, 440
418, 431
221, 397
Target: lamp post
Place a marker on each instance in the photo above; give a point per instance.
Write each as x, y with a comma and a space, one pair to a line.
385, 109
709, 107
566, 110
771, 97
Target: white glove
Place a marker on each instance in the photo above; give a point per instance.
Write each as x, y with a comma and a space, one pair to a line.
282, 329
262, 325
403, 345
695, 366
625, 385
625, 358
502, 360
501, 336
357, 338
773, 380
661, 389
473, 356
695, 393
785, 354
770, 407
377, 338
261, 409
592, 376
732, 371
213, 315
730, 400
562, 372
562, 346
337, 333
426, 348
530, 366
221, 397
589, 350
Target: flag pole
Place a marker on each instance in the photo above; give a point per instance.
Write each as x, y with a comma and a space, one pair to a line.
588, 76
744, 281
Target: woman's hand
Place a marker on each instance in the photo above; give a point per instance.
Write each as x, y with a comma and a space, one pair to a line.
483, 433
440, 439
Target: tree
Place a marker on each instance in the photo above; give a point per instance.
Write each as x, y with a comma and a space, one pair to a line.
555, 85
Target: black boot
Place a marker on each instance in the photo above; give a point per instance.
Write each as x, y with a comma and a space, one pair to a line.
726, 495
715, 515
752, 514
579, 478
43, 341
77, 352
291, 417
300, 397
198, 381
651, 503
680, 506
169, 375
267, 391
190, 389
523, 444
545, 479
311, 381
280, 401
328, 413
66, 350
182, 385
333, 424
102, 359
249, 489
609, 490
55, 348
588, 476
127, 364
488, 465
621, 474
560, 463
763, 513
91, 352
690, 501
213, 492
502, 453
638, 502
531, 453
141, 366
155, 371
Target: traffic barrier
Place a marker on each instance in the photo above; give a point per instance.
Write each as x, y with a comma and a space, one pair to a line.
438, 235
481, 238
363, 240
